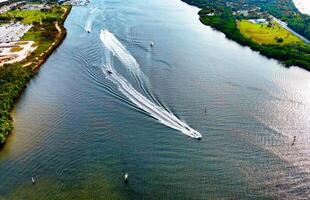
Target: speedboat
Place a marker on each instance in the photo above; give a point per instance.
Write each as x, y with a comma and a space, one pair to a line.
194, 134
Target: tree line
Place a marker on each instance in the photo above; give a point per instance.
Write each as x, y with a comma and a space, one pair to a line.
13, 79
223, 20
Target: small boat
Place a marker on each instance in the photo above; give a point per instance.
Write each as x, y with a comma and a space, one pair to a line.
32, 179
126, 178
109, 72
151, 44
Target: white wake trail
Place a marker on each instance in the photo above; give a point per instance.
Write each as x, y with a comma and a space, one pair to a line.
90, 19
118, 50
88, 25
114, 47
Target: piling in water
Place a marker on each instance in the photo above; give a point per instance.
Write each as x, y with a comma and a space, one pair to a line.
126, 178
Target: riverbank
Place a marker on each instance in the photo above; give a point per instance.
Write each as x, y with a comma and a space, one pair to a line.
222, 18
75, 132
14, 77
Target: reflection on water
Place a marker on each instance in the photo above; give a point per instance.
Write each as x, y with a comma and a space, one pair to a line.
77, 134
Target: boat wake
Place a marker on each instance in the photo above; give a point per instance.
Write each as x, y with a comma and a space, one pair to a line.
88, 24
115, 48
90, 19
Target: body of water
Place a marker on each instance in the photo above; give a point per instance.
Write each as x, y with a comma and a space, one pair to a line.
106, 103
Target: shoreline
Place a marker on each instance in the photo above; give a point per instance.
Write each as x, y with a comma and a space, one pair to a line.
225, 22
32, 68
57, 43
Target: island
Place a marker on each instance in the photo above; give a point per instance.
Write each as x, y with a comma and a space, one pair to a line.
275, 28
29, 33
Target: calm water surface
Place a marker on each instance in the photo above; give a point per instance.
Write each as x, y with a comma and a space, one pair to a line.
77, 133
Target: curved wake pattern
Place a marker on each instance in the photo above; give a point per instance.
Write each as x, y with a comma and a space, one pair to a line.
114, 47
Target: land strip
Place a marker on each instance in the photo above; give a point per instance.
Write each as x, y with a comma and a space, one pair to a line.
46, 33
226, 15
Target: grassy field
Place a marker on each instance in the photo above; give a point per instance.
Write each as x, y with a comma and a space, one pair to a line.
39, 33
43, 32
264, 34
14, 77
30, 16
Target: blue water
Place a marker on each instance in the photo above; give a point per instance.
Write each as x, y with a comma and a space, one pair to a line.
77, 133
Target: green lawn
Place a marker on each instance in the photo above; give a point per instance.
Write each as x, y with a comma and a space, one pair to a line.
30, 16
33, 35
36, 33
264, 34
14, 77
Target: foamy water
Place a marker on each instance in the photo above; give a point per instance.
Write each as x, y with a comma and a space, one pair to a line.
90, 19
88, 26
114, 47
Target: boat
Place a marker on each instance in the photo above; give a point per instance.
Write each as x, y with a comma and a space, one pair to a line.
126, 178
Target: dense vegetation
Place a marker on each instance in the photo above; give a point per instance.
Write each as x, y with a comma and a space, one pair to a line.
31, 16
224, 21
286, 11
14, 77
272, 33
282, 9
